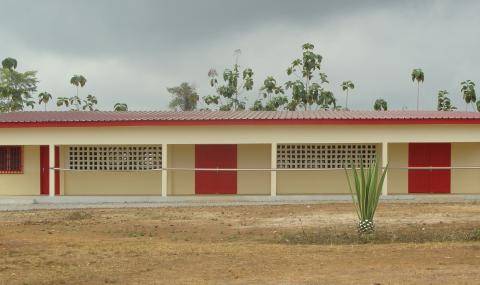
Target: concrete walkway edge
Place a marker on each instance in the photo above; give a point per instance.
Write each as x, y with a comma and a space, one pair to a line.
8, 203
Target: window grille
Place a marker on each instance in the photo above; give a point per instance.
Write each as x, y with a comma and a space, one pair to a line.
11, 160
332, 156
115, 157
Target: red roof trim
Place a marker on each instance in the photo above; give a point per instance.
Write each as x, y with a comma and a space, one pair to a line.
250, 122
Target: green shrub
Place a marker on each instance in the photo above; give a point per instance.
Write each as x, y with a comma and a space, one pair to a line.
366, 190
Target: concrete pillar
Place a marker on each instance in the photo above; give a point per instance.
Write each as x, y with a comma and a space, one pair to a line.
51, 174
273, 173
164, 171
384, 164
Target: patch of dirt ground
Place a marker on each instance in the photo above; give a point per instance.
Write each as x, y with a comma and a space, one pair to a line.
286, 244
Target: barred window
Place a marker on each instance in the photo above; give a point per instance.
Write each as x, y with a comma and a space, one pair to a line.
115, 157
333, 156
11, 160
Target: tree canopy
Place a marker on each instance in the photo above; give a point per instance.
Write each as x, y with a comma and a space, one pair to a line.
16, 88
120, 107
380, 105
228, 93
468, 91
307, 89
273, 97
185, 97
443, 102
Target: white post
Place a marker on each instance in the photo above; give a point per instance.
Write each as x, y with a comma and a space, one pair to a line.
273, 172
51, 174
164, 171
384, 164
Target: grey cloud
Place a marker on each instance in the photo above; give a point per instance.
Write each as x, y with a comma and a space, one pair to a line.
92, 28
132, 50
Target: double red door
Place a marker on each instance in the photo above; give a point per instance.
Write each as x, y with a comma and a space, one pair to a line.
45, 169
216, 182
429, 155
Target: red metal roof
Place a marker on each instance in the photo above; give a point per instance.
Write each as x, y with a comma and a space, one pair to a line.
140, 118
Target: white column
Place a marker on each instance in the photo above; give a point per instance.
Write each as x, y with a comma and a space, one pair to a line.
164, 171
273, 173
51, 174
384, 164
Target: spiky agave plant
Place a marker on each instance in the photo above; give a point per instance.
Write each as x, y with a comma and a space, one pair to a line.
366, 190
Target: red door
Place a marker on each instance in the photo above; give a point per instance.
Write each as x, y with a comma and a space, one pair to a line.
44, 170
215, 182
429, 155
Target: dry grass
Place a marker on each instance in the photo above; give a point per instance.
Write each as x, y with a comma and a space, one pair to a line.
309, 244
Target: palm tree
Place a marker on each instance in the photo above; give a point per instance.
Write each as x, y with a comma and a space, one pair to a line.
419, 76
347, 85
78, 81
468, 90
380, 105
9, 63
44, 98
120, 107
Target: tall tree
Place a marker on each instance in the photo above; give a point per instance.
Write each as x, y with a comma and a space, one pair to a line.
44, 98
347, 85
272, 94
380, 104
76, 102
235, 82
185, 97
78, 81
443, 102
306, 88
468, 91
16, 88
419, 76
120, 107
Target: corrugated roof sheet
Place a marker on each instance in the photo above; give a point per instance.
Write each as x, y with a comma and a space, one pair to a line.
72, 118
159, 116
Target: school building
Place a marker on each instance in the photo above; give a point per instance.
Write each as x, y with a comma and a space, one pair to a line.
235, 153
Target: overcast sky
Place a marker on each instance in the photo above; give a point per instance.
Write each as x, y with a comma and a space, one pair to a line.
130, 51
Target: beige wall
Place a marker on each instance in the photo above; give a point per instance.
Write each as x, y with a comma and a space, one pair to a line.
79, 183
181, 182
253, 182
112, 183
398, 178
465, 181
241, 134
314, 182
27, 183
328, 182
249, 183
